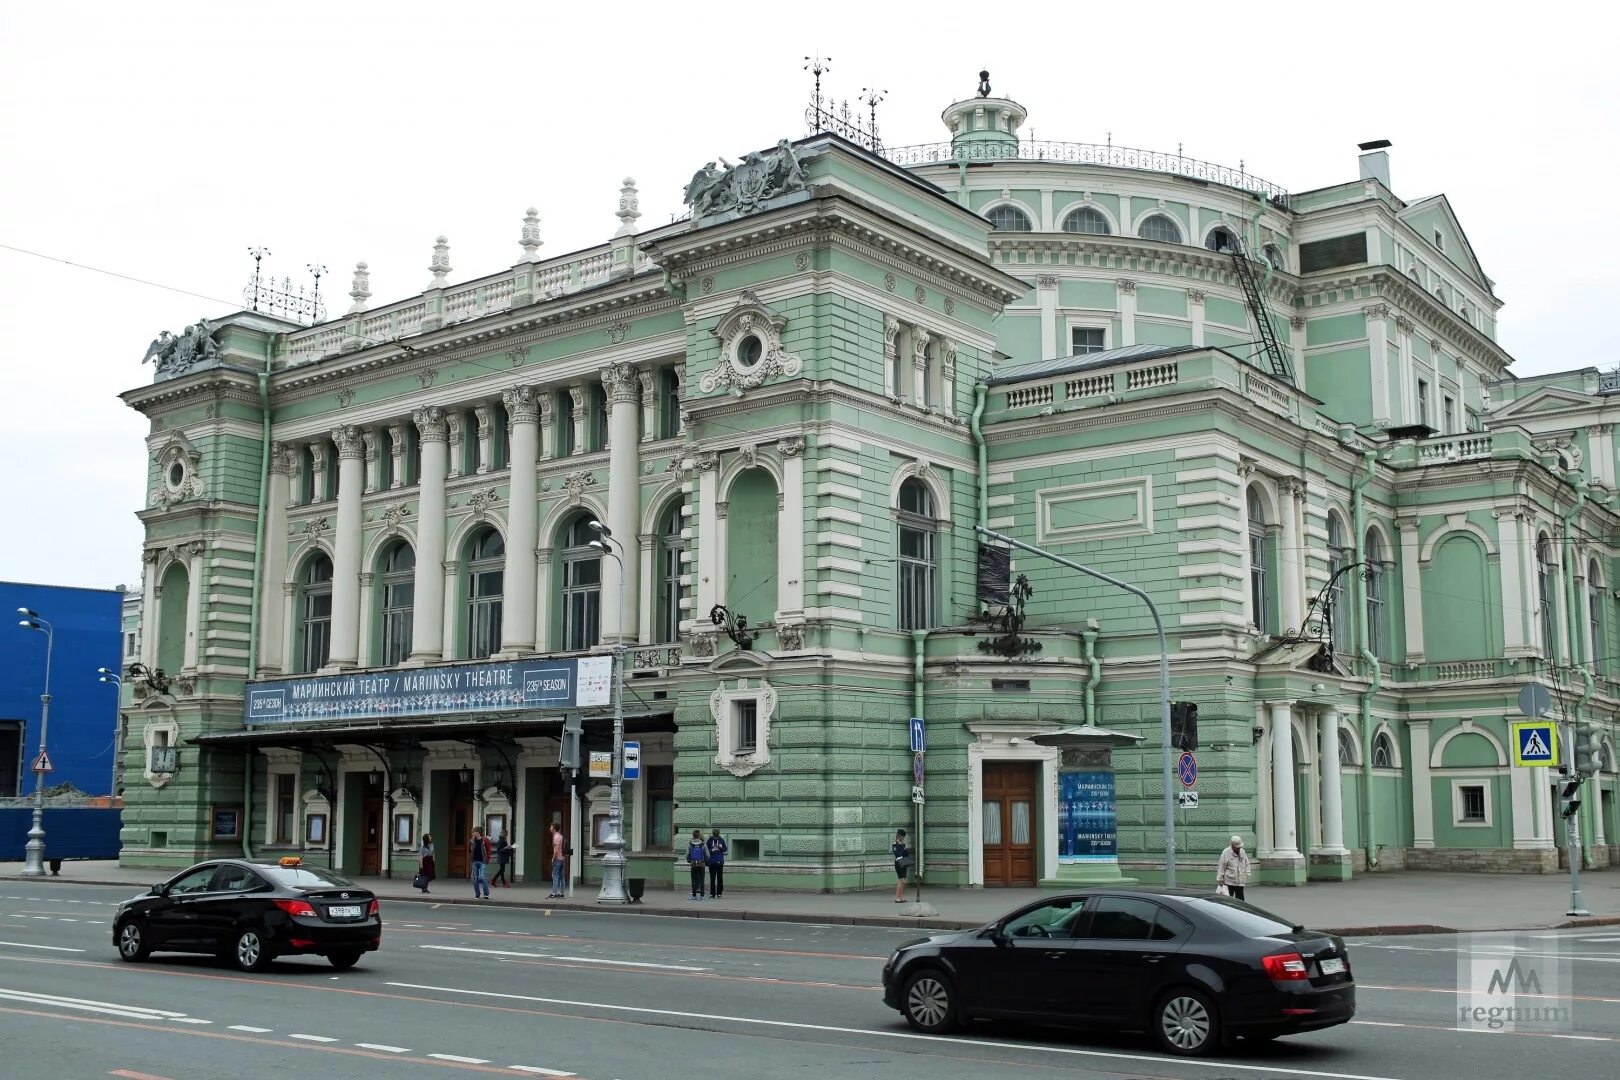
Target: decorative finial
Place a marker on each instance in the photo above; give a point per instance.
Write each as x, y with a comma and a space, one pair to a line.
317, 271
360, 290
872, 98
984, 84
629, 208
531, 236
440, 266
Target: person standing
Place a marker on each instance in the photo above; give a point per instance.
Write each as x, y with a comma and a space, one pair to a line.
697, 856
559, 863
717, 849
426, 871
902, 864
1232, 872
478, 848
503, 862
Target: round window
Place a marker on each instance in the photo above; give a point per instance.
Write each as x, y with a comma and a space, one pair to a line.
177, 474
749, 350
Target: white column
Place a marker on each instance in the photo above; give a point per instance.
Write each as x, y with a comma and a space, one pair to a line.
1524, 813
1284, 823
1046, 296
1296, 344
517, 619
1411, 589
891, 352
289, 626
542, 598
1264, 834
454, 426
1332, 784
1540, 812
447, 616
194, 594
577, 394
1601, 451
149, 608
649, 418
486, 438
1509, 554
919, 366
1407, 413
624, 489
363, 645
790, 532
346, 564
1378, 349
1127, 311
1195, 308
369, 437
427, 615
710, 537
1291, 555
1417, 773
318, 465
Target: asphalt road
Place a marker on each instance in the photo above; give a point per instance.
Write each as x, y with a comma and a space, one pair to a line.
502, 991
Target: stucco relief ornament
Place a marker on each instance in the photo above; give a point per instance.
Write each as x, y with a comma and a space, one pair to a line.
744, 187
575, 484
178, 476
702, 644
345, 398
617, 331
790, 637
318, 528
394, 515
750, 349
481, 502
173, 355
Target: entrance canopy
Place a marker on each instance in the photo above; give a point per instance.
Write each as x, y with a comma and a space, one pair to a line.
408, 734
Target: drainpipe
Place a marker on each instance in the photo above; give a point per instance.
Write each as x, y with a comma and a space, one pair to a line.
919, 639
980, 391
1093, 674
260, 545
1358, 513
1577, 644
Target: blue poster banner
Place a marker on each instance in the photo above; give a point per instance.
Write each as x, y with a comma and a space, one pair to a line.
1086, 818
443, 690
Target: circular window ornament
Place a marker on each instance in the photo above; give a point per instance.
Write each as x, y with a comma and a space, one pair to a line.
177, 475
750, 350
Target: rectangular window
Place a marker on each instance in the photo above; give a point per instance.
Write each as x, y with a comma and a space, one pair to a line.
669, 589
745, 717
1085, 339
286, 807
1473, 419
484, 613
916, 570
1471, 809
1423, 402
582, 602
317, 628
399, 599
596, 422
1327, 254
1448, 415
897, 366
129, 644
1439, 240
660, 806
669, 404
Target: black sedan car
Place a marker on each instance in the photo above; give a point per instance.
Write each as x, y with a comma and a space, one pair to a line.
1192, 969
248, 913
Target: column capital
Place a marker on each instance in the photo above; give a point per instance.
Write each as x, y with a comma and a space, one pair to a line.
790, 447
481, 417
1403, 324
620, 381
369, 438
522, 404
576, 392
1195, 296
1376, 311
348, 442
919, 350
281, 459
192, 549
1407, 524
1297, 322
1125, 285
1286, 704
150, 555
431, 424
707, 461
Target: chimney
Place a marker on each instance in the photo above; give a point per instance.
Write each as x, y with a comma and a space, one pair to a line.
1375, 161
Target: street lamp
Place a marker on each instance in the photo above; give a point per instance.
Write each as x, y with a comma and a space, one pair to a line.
613, 861
34, 851
108, 675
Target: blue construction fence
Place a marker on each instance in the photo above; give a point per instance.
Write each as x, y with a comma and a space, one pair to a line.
71, 832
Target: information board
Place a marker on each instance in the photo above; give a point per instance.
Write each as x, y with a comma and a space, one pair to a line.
1086, 817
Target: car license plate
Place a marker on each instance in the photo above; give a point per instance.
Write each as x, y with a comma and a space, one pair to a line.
1332, 965
353, 912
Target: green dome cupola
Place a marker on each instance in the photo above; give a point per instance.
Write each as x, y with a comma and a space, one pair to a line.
984, 119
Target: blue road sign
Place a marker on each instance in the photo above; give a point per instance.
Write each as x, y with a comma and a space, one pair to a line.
919, 736
1535, 742
1187, 769
632, 760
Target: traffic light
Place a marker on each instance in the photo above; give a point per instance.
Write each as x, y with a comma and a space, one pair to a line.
1588, 754
1571, 803
568, 755
1184, 725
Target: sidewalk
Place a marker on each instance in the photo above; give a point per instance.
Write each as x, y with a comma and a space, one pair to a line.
1414, 902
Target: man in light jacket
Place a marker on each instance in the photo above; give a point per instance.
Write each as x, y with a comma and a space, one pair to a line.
1233, 869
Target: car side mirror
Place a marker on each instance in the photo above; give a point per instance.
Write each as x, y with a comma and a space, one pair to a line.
995, 934
160, 889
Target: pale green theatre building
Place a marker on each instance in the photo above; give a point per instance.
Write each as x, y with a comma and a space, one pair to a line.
371, 600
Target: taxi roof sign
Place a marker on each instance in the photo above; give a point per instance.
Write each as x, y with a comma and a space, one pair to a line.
290, 860
1535, 743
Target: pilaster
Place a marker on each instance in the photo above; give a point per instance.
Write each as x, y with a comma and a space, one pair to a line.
1411, 588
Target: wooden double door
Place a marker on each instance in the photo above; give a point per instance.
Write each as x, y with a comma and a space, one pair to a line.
1011, 791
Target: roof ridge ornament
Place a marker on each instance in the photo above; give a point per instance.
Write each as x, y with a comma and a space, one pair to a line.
984, 84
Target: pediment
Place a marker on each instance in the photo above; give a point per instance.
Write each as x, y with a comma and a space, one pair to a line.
1553, 399
1308, 657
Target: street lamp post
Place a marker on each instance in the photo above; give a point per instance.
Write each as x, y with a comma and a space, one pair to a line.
34, 851
108, 675
613, 889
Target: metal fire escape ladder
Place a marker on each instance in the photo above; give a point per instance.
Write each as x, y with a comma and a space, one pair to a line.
1276, 360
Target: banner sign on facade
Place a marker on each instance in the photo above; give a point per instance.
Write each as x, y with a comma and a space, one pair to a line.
1086, 820
442, 690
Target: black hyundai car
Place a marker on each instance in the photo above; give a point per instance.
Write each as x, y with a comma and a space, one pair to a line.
1192, 969
248, 913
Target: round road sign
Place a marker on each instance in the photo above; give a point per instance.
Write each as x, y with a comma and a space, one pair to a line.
1187, 769
1534, 700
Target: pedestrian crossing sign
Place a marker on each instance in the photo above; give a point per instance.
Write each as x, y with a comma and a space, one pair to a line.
1535, 743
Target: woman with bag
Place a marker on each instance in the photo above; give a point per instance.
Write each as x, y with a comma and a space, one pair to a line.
1232, 872
697, 857
425, 871
902, 864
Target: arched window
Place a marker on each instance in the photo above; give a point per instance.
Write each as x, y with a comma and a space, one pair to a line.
398, 579
1347, 748
315, 613
668, 554
918, 557
1087, 220
1594, 617
1376, 637
1383, 751
1221, 238
1009, 219
1339, 556
1259, 566
1274, 256
1544, 594
581, 587
486, 574
1160, 228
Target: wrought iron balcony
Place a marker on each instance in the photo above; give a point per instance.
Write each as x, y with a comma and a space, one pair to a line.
1105, 154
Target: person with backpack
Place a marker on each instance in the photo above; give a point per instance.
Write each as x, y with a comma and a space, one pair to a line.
478, 848
560, 850
902, 864
697, 857
717, 849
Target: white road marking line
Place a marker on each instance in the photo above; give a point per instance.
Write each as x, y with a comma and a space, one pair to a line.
52, 948
67, 920
462, 1060
909, 1036
1601, 938
569, 959
384, 1048
250, 1029
1376, 1023
105, 1008
447, 928
314, 1038
189, 1020
538, 1071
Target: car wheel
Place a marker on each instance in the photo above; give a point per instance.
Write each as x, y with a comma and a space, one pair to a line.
249, 952
345, 960
929, 1002
132, 943
1185, 1023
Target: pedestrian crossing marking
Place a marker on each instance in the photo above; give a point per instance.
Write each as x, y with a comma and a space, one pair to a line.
1535, 743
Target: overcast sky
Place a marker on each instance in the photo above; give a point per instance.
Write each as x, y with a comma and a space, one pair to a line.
160, 140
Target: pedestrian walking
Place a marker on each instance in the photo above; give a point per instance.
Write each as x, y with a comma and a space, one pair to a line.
716, 847
1232, 872
503, 862
902, 864
478, 848
560, 850
426, 870
697, 857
